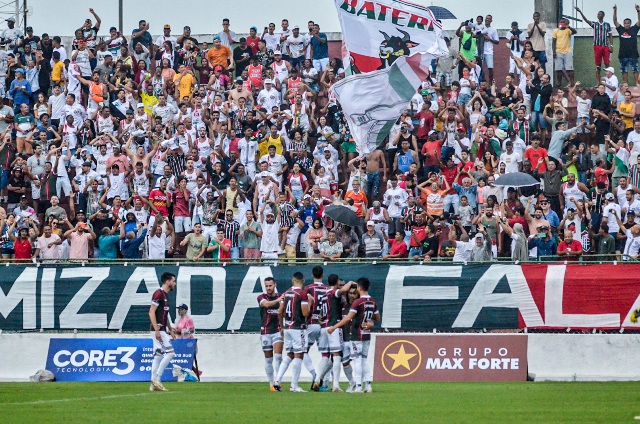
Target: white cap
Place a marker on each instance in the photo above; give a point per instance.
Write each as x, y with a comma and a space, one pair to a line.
268, 81
371, 223
610, 69
277, 52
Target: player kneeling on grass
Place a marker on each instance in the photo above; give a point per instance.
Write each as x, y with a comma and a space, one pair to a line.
292, 315
163, 351
270, 335
363, 312
331, 344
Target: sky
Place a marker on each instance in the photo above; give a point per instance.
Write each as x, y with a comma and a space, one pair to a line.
68, 15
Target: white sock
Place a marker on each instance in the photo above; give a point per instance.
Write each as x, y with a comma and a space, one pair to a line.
277, 360
297, 367
337, 364
357, 368
155, 365
366, 376
323, 367
163, 364
348, 371
308, 364
283, 368
268, 369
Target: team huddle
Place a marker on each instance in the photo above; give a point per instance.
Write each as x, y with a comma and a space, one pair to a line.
338, 317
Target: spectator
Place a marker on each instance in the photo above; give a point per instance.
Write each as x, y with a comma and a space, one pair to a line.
542, 245
196, 244
331, 249
397, 246
569, 248
79, 237
602, 40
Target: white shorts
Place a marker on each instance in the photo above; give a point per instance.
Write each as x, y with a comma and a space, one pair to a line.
295, 341
360, 348
346, 352
330, 343
162, 346
268, 340
182, 224
209, 231
35, 191
313, 333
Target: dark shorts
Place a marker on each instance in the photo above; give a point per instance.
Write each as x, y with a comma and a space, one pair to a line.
43, 205
7, 251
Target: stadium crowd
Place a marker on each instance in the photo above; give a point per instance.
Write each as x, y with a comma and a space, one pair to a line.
125, 146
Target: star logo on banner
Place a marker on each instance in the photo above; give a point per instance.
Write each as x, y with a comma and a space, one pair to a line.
401, 358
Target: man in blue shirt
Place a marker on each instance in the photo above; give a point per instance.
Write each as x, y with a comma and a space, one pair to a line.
545, 245
131, 245
319, 49
20, 90
307, 212
141, 35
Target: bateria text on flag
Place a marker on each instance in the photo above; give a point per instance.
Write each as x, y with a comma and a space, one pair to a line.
376, 33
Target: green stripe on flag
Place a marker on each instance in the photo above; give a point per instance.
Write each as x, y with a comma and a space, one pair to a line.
399, 82
384, 132
621, 165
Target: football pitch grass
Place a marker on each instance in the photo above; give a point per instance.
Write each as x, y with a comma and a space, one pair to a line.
614, 402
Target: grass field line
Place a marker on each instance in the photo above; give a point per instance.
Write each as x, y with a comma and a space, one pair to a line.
41, 402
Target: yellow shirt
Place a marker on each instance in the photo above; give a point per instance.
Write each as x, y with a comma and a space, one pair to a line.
264, 146
626, 108
185, 85
149, 101
563, 40
56, 71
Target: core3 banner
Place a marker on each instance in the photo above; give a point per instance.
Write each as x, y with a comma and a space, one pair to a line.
112, 359
411, 297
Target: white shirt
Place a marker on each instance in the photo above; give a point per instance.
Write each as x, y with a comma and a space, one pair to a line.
269, 98
632, 246
583, 106
463, 251
519, 146
634, 206
511, 161
269, 242
57, 105
493, 34
613, 81
272, 41
156, 246
608, 212
391, 197
248, 151
161, 39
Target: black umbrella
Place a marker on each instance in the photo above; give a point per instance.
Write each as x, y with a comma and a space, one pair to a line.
441, 12
516, 179
343, 215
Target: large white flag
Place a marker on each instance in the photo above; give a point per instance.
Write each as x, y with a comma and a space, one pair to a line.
372, 102
376, 33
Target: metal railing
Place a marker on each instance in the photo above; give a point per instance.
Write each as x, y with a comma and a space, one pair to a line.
583, 260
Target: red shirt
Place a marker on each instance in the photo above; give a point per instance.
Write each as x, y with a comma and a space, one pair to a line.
180, 204
575, 246
22, 249
426, 122
601, 176
223, 254
420, 234
253, 44
450, 175
398, 248
534, 155
430, 147
159, 201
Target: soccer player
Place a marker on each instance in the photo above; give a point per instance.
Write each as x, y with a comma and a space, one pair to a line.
318, 291
270, 335
363, 312
292, 315
331, 344
163, 351
347, 301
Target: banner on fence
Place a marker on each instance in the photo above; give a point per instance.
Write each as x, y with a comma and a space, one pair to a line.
411, 297
437, 357
112, 359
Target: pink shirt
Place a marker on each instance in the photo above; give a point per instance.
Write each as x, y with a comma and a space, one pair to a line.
46, 252
185, 328
79, 245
